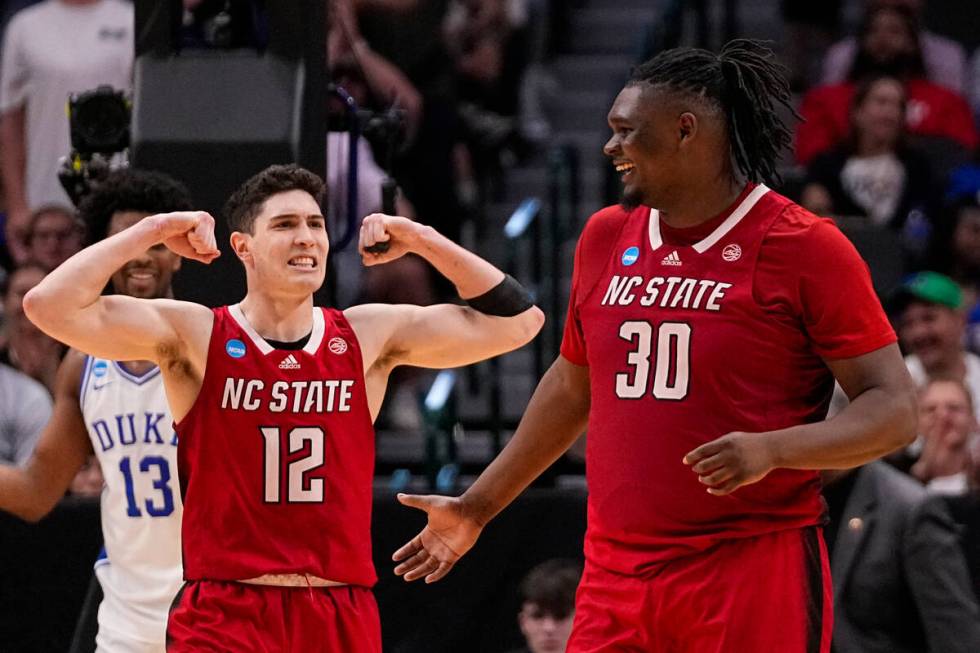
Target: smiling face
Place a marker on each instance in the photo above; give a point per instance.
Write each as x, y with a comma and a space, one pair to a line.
659, 141
932, 332
149, 275
286, 253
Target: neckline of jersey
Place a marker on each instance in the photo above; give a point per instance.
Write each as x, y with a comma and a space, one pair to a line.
138, 379
742, 206
316, 336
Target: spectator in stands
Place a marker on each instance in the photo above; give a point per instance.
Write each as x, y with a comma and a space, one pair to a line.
25, 407
888, 45
931, 328
548, 606
943, 59
873, 174
810, 28
53, 235
50, 50
900, 580
947, 427
385, 85
26, 347
965, 509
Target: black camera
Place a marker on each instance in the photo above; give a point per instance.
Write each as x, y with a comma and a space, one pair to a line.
99, 123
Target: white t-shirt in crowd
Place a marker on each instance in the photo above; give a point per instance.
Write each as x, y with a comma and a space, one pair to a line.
51, 50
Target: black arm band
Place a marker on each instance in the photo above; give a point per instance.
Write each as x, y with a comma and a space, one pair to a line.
507, 299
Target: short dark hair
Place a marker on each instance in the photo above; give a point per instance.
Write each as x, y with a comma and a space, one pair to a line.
131, 190
551, 586
745, 82
245, 203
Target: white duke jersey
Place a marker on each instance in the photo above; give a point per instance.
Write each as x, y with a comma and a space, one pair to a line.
128, 420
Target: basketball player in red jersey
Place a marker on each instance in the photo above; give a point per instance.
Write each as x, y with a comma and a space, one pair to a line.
708, 319
273, 401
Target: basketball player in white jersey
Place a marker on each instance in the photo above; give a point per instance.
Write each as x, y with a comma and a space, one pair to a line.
119, 412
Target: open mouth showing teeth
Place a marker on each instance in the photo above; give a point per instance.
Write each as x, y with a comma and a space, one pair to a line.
304, 262
624, 167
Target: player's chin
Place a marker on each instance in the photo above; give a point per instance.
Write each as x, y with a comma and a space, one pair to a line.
632, 197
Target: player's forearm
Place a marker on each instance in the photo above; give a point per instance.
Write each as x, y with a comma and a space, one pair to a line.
22, 493
875, 423
555, 417
77, 283
471, 275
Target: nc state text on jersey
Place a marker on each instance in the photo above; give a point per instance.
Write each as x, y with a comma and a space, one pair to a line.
666, 292
317, 396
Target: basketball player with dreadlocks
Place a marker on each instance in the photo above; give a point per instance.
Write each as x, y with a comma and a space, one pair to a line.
707, 321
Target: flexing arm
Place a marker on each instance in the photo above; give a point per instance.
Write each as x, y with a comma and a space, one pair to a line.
880, 418
556, 415
13, 162
444, 335
32, 489
68, 305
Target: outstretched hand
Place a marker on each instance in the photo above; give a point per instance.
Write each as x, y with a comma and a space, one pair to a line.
448, 535
188, 233
731, 461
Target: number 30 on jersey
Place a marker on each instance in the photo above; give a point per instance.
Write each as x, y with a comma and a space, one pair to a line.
671, 360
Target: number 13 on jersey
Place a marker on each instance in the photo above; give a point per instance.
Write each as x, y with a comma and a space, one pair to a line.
671, 360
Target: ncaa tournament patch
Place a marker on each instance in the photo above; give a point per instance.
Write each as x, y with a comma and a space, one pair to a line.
235, 348
631, 255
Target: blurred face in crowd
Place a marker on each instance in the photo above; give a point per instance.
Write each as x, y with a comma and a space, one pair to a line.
888, 37
147, 276
880, 115
544, 632
945, 411
22, 279
55, 235
932, 332
286, 252
966, 237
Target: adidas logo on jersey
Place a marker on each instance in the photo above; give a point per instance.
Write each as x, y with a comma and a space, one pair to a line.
671, 259
289, 363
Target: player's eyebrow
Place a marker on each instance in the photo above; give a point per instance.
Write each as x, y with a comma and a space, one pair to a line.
286, 216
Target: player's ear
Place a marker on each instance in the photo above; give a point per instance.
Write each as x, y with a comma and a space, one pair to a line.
687, 126
240, 244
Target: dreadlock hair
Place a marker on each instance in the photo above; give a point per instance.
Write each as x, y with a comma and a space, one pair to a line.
745, 83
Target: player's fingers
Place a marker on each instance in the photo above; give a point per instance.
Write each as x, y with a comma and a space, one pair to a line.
409, 549
379, 232
709, 464
440, 573
725, 488
419, 501
702, 452
717, 477
426, 568
420, 558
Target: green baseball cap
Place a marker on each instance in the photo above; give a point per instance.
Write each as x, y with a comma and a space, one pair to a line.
929, 287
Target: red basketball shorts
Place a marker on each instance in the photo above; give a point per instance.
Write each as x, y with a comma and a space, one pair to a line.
241, 618
770, 593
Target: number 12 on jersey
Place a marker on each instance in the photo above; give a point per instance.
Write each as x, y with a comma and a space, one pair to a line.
299, 488
672, 360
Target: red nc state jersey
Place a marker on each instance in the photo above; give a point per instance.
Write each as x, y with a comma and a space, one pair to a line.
276, 457
681, 351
